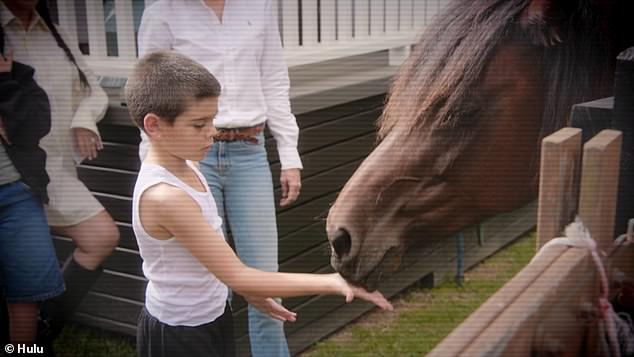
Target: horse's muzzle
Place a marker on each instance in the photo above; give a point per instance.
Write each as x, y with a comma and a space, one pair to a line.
345, 260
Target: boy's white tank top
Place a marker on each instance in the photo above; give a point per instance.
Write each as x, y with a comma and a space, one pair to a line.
180, 291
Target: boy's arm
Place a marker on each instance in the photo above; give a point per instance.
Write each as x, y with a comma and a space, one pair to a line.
181, 216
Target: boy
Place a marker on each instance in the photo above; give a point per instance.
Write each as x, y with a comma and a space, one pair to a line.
185, 257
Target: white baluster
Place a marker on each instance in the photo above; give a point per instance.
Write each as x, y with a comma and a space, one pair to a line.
377, 16
328, 22
395, 25
309, 23
96, 29
344, 20
126, 38
361, 19
420, 14
406, 16
391, 16
290, 25
67, 19
432, 9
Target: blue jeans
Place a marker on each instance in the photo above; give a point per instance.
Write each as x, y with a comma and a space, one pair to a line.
239, 177
29, 270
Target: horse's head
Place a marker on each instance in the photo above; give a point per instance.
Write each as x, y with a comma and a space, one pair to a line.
459, 134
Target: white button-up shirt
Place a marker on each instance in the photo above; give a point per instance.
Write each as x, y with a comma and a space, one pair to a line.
243, 52
71, 106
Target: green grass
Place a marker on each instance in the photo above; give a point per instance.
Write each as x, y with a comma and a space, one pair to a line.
423, 317
77, 341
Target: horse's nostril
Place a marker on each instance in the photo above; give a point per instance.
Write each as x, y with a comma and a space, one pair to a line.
341, 242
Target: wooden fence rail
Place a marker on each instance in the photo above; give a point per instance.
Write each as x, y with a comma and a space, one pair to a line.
551, 306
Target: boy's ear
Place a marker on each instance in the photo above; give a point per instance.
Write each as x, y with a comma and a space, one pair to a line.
152, 125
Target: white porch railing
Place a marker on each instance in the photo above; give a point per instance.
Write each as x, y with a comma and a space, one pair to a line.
312, 30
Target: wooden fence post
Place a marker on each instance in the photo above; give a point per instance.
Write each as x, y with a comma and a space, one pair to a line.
550, 306
558, 183
599, 183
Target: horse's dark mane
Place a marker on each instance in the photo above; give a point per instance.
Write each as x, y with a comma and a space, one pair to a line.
580, 69
432, 90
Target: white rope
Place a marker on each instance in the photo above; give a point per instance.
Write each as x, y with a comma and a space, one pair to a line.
578, 236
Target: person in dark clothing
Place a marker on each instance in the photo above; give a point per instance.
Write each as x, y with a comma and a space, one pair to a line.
29, 271
77, 103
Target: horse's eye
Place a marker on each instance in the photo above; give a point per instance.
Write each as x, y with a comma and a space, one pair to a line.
400, 186
471, 111
437, 179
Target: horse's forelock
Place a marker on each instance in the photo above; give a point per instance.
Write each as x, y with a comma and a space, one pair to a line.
433, 86
446, 63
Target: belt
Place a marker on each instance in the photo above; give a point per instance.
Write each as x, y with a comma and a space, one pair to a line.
236, 134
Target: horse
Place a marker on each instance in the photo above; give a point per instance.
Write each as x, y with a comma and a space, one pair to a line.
458, 139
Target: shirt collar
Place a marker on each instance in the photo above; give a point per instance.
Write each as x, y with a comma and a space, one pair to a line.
6, 17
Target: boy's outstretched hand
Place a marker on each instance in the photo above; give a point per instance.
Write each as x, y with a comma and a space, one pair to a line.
271, 307
351, 291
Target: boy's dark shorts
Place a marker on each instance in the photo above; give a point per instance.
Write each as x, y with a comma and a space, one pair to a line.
158, 339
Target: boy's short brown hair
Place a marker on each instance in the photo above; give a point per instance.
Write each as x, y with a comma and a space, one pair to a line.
164, 83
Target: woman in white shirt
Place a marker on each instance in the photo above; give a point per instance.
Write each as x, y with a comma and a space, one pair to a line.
77, 103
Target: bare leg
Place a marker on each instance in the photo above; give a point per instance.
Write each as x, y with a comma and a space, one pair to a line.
23, 322
95, 238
